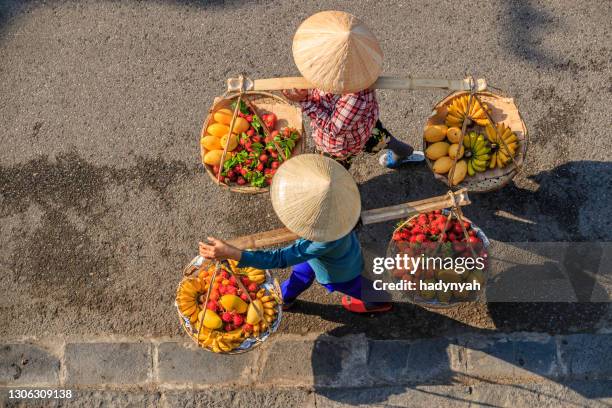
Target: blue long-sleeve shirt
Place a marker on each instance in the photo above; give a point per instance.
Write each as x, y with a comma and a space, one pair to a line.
333, 261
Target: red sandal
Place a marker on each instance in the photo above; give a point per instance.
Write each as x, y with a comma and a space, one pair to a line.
357, 306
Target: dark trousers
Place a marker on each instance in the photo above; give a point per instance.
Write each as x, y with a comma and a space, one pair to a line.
379, 139
302, 276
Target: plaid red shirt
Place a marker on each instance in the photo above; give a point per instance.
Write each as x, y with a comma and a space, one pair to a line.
341, 124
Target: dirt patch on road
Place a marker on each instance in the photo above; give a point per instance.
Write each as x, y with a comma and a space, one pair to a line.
74, 252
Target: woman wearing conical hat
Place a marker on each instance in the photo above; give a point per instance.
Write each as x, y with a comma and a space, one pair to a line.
317, 199
339, 55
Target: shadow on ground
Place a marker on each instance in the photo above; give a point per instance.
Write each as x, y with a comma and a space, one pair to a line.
560, 209
525, 25
431, 368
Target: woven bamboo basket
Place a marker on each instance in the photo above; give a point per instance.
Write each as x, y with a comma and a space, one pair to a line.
414, 296
270, 284
288, 115
503, 109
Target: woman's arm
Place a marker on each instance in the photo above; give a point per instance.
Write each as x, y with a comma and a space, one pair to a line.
219, 250
300, 251
309, 99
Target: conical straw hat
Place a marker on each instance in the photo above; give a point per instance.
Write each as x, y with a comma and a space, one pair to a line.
337, 53
316, 198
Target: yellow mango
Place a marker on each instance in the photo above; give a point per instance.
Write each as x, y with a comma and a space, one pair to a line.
454, 135
437, 150
443, 297
232, 144
425, 293
252, 316
218, 129
435, 133
448, 275
233, 303
211, 319
476, 275
456, 150
460, 172
213, 157
442, 165
223, 116
240, 125
210, 142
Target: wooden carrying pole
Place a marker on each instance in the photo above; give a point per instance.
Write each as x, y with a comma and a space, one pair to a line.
283, 235
405, 210
264, 239
383, 82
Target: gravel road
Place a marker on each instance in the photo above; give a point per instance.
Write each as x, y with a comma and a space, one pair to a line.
103, 198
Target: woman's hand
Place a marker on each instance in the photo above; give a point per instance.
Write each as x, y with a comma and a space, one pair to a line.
296, 95
219, 250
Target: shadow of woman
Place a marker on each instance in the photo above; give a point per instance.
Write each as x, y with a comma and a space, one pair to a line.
570, 207
426, 371
566, 207
565, 220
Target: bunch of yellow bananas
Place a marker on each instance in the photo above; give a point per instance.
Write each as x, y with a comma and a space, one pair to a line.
267, 305
187, 296
503, 155
220, 342
479, 152
254, 274
457, 112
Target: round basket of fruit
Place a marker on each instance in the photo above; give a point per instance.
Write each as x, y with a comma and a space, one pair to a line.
226, 309
267, 130
449, 249
478, 141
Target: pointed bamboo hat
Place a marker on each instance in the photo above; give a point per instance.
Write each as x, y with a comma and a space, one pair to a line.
316, 198
337, 53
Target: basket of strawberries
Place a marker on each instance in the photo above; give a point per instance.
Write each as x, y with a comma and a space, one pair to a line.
448, 249
266, 130
226, 309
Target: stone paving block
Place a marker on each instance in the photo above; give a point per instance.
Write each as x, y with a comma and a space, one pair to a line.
511, 358
28, 364
446, 396
430, 361
326, 361
388, 360
548, 394
89, 399
184, 362
239, 398
107, 363
587, 356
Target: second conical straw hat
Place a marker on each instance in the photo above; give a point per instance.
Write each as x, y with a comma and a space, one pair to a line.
337, 53
316, 198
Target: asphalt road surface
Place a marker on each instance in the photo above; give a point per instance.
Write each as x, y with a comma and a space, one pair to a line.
103, 198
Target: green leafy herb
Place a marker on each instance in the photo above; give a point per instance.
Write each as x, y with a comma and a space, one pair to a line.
243, 107
256, 178
256, 124
238, 158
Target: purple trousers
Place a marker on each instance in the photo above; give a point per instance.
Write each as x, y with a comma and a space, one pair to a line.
302, 277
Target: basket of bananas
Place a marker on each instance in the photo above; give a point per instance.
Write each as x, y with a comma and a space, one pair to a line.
475, 140
226, 309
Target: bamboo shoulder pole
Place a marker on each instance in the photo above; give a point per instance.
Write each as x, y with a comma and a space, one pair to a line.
383, 82
283, 235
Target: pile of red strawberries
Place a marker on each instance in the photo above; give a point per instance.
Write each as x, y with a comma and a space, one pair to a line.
431, 227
